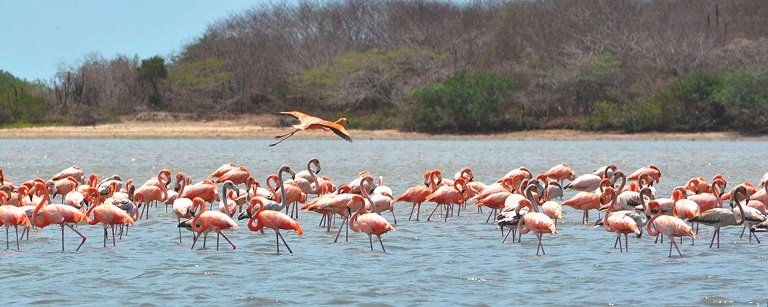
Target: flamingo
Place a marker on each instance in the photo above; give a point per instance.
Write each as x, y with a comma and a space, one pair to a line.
307, 182
5, 183
560, 172
670, 226
586, 201
447, 196
619, 223
268, 203
12, 216
369, 223
227, 205
56, 214
651, 170
272, 219
418, 194
75, 171
222, 170
237, 175
105, 214
549, 207
720, 217
205, 221
147, 193
535, 221
381, 189
310, 122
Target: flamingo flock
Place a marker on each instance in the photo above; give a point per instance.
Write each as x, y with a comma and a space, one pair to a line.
518, 201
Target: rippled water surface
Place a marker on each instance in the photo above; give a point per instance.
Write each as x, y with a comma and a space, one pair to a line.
458, 262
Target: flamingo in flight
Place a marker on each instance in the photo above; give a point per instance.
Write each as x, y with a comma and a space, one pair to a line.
310, 122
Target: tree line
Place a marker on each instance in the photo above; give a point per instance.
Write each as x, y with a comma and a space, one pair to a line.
444, 67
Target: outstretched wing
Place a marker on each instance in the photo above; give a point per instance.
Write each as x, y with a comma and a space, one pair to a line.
337, 129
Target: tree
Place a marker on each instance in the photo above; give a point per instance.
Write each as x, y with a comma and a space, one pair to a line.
152, 70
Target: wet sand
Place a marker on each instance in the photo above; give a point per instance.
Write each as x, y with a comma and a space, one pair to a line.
250, 128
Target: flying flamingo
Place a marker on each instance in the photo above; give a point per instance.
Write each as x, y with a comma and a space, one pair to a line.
720, 217
670, 226
369, 223
105, 214
56, 214
310, 122
535, 221
205, 221
619, 223
12, 216
272, 219
418, 194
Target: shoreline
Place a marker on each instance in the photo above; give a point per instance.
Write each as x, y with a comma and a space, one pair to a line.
236, 129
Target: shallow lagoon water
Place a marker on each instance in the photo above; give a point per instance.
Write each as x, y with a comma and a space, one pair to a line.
427, 263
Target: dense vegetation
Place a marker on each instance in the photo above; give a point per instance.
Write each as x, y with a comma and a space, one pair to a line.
438, 66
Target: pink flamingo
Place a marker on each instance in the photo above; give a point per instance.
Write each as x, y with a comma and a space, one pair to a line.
310, 122
12, 216
237, 175
105, 214
272, 219
447, 196
369, 223
535, 221
651, 170
670, 226
560, 172
418, 194
205, 221
222, 170
75, 171
619, 223
56, 214
147, 193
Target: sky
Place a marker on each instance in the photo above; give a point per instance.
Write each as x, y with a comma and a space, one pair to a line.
39, 36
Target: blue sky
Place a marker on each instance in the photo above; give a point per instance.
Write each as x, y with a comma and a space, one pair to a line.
38, 36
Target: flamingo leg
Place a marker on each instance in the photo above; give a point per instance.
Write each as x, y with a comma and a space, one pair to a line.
715, 234
17, 236
410, 215
105, 236
113, 234
626, 243
339, 233
433, 212
78, 233
448, 207
7, 245
178, 219
322, 220
672, 241
540, 245
370, 240
382, 244
286, 243
284, 137
393, 216
750, 233
225, 238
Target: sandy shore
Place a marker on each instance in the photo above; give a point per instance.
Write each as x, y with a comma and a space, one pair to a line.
248, 129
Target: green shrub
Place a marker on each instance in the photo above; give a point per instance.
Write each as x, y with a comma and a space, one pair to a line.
468, 102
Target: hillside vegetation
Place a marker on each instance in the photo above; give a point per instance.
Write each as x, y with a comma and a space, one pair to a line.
441, 67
